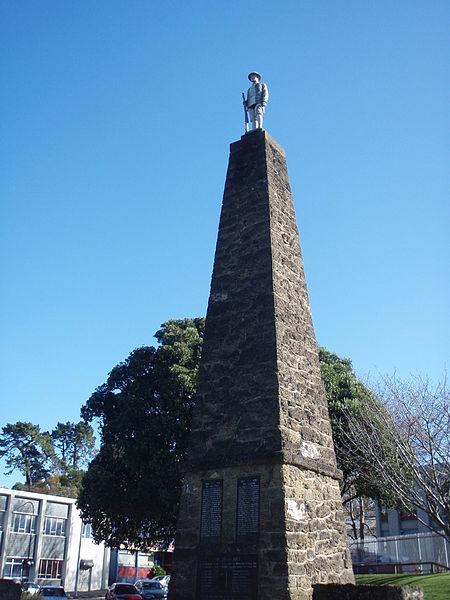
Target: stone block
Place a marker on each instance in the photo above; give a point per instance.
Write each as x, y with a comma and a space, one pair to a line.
366, 592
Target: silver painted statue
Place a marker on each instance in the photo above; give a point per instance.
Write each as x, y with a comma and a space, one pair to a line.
255, 104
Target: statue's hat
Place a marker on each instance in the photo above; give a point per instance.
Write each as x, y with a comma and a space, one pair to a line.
254, 73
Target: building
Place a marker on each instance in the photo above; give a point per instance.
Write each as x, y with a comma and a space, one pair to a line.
127, 566
404, 539
43, 539
391, 521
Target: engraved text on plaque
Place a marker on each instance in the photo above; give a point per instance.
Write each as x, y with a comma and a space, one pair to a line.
211, 516
228, 578
247, 514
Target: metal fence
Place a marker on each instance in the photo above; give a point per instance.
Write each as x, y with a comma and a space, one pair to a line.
416, 552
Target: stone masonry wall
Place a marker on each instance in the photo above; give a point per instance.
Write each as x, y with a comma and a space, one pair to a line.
304, 421
316, 539
367, 592
237, 384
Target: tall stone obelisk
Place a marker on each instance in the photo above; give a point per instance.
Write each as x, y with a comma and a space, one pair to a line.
261, 514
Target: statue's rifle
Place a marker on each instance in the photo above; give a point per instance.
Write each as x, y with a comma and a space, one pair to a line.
245, 112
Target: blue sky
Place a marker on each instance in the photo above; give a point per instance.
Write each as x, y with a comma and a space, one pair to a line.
116, 119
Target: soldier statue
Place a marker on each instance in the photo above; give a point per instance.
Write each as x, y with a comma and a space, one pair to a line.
255, 104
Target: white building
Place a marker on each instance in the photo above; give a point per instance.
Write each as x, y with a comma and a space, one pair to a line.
43, 539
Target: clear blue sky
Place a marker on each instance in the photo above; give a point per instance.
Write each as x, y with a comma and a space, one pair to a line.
116, 118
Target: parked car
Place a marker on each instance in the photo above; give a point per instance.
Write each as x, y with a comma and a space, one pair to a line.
122, 591
164, 579
151, 588
30, 588
47, 592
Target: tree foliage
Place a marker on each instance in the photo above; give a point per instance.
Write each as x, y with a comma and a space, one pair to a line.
131, 490
49, 461
25, 448
75, 443
347, 396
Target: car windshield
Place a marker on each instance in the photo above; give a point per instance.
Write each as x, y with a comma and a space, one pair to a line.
151, 585
125, 589
57, 592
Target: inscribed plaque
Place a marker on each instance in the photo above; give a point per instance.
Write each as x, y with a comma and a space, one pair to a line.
211, 515
247, 514
229, 577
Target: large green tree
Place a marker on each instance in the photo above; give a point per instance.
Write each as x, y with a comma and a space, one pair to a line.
131, 490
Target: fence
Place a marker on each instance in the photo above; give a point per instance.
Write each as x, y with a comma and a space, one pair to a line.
416, 552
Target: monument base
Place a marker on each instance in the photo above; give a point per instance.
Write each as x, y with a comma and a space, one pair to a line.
266, 531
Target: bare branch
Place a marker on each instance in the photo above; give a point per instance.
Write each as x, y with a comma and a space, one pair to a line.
402, 433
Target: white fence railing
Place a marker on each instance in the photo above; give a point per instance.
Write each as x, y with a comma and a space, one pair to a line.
420, 548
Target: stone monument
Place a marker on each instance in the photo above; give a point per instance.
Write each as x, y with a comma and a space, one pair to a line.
261, 515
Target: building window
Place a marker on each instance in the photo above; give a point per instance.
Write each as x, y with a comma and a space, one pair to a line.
86, 530
23, 523
50, 569
15, 567
2, 517
54, 526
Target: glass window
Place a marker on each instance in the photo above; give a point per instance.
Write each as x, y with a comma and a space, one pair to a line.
23, 523
14, 567
86, 530
146, 560
54, 526
50, 569
126, 559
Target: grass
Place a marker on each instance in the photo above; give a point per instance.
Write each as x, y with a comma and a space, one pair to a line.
435, 587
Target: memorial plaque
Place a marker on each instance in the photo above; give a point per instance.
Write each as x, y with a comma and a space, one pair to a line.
247, 514
211, 515
230, 577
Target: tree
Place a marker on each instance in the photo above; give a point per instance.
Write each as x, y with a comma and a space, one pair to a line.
356, 509
25, 448
131, 490
65, 484
347, 397
402, 433
49, 462
75, 443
